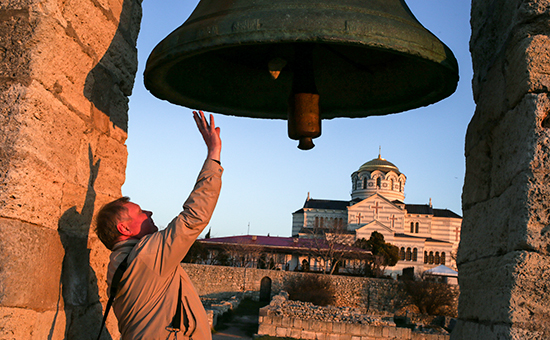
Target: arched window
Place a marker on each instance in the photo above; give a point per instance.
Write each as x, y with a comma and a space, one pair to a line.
391, 185
442, 258
408, 254
425, 257
322, 222
402, 254
379, 182
431, 258
412, 227
415, 255
436, 257
416, 228
316, 221
364, 182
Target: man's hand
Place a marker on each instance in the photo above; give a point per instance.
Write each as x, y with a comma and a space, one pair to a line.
210, 133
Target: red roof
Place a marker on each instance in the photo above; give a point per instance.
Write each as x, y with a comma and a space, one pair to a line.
277, 242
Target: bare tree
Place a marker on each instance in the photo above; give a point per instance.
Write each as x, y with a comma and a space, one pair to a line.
332, 246
243, 254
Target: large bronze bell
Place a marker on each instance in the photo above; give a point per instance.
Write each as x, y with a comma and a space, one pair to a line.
301, 60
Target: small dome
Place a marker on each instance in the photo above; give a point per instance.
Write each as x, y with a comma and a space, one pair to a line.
379, 164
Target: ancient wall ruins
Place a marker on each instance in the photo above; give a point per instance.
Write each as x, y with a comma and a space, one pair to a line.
66, 71
505, 241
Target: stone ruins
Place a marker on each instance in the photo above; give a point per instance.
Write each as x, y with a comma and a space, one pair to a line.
66, 71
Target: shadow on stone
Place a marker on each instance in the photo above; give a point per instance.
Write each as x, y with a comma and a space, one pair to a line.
78, 280
110, 82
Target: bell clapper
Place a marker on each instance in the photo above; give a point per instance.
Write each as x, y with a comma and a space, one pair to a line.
304, 119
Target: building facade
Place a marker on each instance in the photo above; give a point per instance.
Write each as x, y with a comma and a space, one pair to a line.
426, 236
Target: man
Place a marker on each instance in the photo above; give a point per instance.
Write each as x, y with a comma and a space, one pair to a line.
154, 286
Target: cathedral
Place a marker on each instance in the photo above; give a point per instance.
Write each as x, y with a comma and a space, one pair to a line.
426, 237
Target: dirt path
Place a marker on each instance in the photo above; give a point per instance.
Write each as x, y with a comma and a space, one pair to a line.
240, 324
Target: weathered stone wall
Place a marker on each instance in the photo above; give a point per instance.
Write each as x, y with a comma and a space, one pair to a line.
283, 318
367, 293
503, 257
66, 71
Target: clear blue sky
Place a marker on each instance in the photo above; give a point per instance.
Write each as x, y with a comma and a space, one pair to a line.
266, 177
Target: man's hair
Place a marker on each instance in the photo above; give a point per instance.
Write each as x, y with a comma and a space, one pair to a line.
107, 219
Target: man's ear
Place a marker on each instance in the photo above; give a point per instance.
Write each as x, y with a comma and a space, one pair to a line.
122, 228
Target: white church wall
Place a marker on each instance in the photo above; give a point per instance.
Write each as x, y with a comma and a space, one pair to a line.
447, 229
424, 225
297, 222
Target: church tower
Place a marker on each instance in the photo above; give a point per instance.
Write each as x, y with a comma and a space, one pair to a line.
378, 176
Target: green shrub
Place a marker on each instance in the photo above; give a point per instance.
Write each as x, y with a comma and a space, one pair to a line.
313, 288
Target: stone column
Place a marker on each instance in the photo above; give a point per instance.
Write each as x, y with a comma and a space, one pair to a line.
503, 258
66, 71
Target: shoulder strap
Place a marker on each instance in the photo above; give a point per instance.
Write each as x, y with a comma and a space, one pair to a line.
175, 325
112, 292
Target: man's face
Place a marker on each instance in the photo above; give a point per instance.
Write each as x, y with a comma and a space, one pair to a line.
139, 222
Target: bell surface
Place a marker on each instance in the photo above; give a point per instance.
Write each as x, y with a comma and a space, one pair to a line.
237, 57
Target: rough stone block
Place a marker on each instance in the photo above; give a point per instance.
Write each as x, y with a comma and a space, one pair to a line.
264, 329
308, 335
375, 331
399, 333
472, 330
353, 329
281, 332
515, 140
264, 313
295, 333
15, 34
87, 24
62, 74
286, 322
112, 156
385, 332
121, 60
506, 289
338, 327
318, 326
31, 261
277, 320
18, 323
506, 223
48, 151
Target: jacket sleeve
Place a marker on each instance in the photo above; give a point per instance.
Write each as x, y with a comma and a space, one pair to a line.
164, 250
